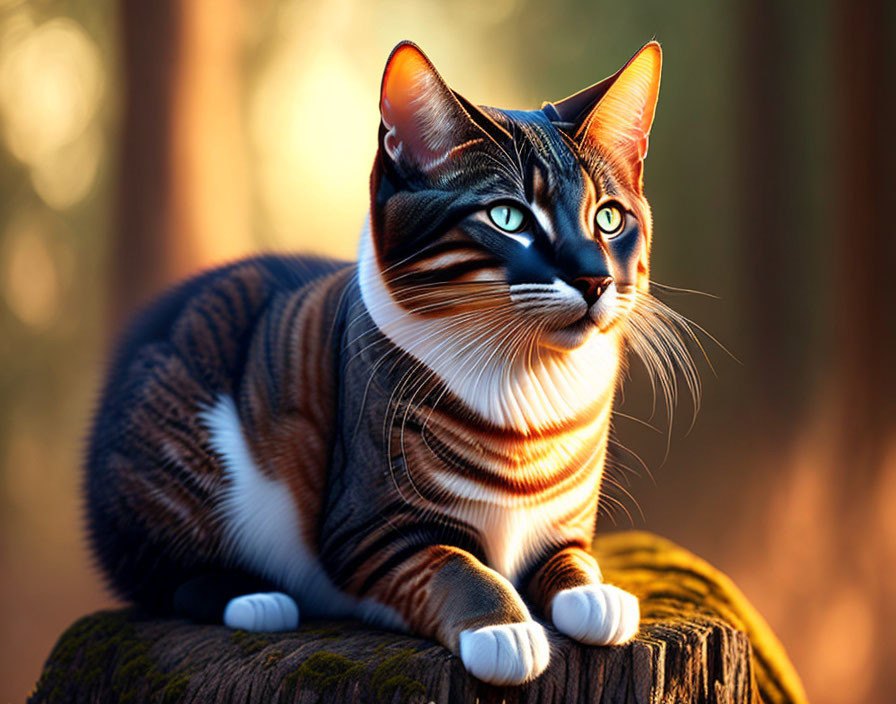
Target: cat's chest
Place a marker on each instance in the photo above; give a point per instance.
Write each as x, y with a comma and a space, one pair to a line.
513, 536
518, 496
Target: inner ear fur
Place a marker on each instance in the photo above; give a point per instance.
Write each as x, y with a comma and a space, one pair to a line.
616, 114
423, 119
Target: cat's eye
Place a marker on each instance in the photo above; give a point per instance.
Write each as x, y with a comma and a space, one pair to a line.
507, 217
609, 219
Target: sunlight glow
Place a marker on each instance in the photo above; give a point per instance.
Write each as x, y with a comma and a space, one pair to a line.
844, 645
51, 84
29, 273
313, 154
66, 176
313, 106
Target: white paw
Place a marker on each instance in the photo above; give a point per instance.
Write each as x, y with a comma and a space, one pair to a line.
272, 611
597, 614
510, 653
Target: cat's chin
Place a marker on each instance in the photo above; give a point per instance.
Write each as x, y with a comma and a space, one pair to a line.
570, 337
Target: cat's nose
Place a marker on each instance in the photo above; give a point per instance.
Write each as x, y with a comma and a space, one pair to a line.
592, 287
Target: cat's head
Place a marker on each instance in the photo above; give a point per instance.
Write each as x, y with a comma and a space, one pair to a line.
534, 220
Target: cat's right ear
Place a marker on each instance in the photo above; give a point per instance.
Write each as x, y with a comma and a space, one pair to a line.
616, 114
423, 121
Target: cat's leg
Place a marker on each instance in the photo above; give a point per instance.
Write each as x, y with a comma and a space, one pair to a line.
568, 588
238, 601
445, 593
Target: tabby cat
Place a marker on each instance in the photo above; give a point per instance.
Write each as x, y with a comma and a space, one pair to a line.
416, 440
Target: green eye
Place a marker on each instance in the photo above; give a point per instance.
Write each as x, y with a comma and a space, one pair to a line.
609, 219
507, 217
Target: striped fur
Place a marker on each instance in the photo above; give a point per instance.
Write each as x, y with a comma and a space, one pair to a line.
416, 440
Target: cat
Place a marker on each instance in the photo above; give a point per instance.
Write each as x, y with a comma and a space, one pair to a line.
416, 440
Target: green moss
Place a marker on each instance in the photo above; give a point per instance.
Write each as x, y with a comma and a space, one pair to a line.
176, 688
387, 679
133, 666
104, 650
326, 669
84, 654
251, 643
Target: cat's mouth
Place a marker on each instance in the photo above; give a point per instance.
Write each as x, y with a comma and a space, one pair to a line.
571, 336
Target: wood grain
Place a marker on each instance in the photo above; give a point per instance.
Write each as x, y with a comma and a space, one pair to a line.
687, 651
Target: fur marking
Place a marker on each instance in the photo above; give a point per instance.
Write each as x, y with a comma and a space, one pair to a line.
262, 523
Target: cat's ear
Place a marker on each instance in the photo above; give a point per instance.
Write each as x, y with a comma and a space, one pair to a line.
423, 121
617, 113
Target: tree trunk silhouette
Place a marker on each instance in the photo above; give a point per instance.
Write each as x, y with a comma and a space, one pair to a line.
183, 198
768, 247
865, 251
864, 398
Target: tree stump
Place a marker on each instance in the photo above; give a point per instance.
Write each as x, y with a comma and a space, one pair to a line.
700, 641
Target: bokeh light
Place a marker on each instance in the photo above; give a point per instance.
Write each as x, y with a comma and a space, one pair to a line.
51, 84
306, 117
30, 276
65, 176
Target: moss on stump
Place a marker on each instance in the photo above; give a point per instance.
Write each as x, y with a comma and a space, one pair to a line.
700, 641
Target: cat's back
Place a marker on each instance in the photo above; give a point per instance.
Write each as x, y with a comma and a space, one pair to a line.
152, 478
215, 312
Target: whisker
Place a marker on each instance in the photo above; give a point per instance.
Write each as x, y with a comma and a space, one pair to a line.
676, 289
687, 323
654, 333
637, 420
616, 485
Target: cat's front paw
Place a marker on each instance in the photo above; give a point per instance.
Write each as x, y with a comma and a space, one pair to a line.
597, 614
271, 611
510, 653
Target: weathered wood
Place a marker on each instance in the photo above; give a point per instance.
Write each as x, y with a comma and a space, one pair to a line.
686, 652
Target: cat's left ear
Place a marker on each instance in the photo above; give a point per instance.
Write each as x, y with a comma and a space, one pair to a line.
423, 120
616, 114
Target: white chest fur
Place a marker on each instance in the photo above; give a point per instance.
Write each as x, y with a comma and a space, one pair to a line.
515, 527
515, 531
536, 392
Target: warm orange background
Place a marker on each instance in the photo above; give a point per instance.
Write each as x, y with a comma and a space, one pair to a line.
140, 141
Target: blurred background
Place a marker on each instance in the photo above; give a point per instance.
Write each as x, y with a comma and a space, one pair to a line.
142, 141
